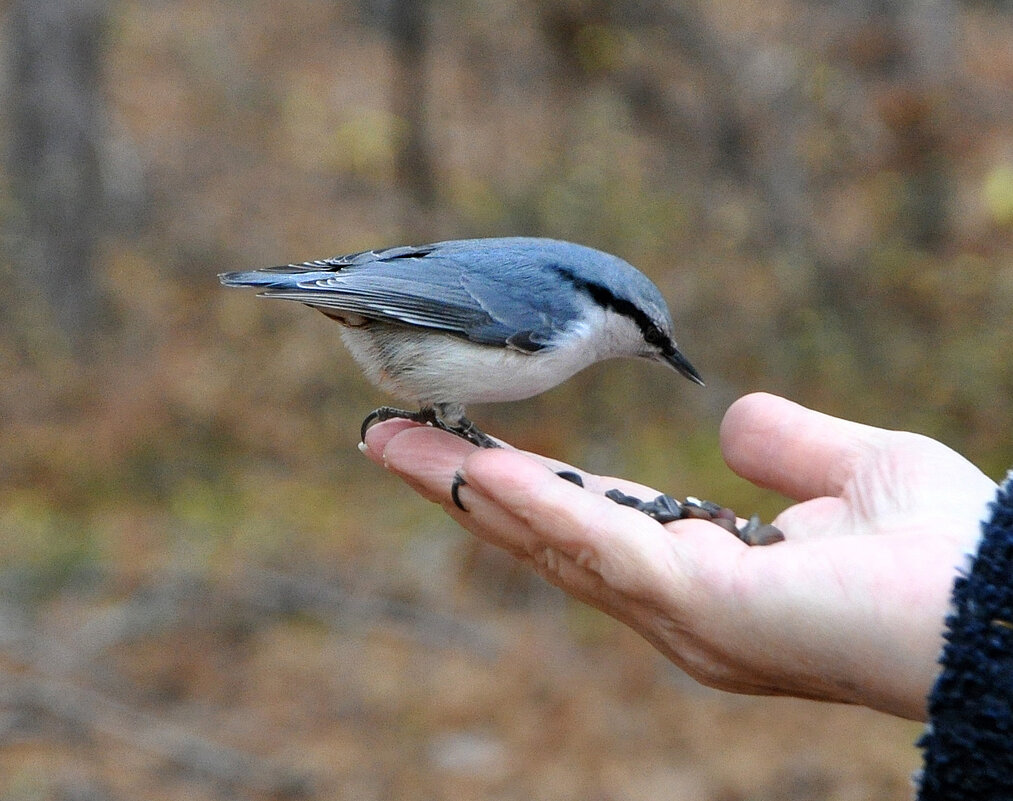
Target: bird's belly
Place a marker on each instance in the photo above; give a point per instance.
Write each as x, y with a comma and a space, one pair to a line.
428, 367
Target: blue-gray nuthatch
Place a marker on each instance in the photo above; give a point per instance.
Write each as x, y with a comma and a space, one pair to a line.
479, 320
485, 320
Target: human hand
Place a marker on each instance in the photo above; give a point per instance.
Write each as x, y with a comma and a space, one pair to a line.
849, 608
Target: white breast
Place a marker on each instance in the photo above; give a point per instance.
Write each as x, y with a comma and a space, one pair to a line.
427, 367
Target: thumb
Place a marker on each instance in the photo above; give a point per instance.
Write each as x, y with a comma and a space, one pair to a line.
800, 453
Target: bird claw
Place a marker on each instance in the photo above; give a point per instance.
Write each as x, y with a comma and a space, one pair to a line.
455, 491
465, 429
388, 413
458, 482
469, 432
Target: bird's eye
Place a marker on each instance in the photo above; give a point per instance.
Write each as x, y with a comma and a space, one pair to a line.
653, 336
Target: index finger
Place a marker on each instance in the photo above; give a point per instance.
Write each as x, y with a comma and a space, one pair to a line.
451, 448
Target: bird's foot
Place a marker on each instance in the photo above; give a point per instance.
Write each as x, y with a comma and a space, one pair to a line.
455, 491
389, 413
467, 430
666, 509
463, 428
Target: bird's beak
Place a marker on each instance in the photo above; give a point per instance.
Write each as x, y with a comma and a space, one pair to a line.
681, 364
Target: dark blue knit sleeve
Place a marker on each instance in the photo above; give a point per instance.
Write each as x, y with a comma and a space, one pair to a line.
968, 745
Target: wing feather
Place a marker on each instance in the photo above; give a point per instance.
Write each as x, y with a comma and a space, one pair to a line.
455, 286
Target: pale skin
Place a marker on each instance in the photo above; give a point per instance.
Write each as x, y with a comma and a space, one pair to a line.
849, 608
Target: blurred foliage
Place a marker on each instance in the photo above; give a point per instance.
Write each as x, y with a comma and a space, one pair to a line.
824, 194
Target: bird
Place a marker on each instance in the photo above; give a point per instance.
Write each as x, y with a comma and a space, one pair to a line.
448, 324
465, 321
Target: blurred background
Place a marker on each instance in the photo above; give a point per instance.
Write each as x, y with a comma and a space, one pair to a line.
206, 592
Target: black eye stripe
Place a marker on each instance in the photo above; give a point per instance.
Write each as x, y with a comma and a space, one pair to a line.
603, 296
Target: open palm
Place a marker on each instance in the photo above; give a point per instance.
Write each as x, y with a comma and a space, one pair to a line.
850, 607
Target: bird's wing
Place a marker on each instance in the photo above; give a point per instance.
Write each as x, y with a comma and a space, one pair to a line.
455, 287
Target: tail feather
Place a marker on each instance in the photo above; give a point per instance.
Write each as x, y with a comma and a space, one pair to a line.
287, 276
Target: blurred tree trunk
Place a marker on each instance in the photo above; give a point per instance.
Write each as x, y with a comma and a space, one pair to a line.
926, 59
906, 52
56, 128
746, 136
407, 25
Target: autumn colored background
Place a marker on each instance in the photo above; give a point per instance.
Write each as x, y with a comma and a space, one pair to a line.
206, 592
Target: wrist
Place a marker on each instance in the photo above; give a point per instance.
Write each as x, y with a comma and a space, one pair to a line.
969, 745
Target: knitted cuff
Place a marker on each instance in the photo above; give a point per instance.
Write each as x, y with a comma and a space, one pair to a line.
968, 744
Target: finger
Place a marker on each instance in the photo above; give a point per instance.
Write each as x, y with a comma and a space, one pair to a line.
495, 524
593, 482
817, 518
796, 451
632, 553
424, 457
556, 515
427, 459
379, 434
